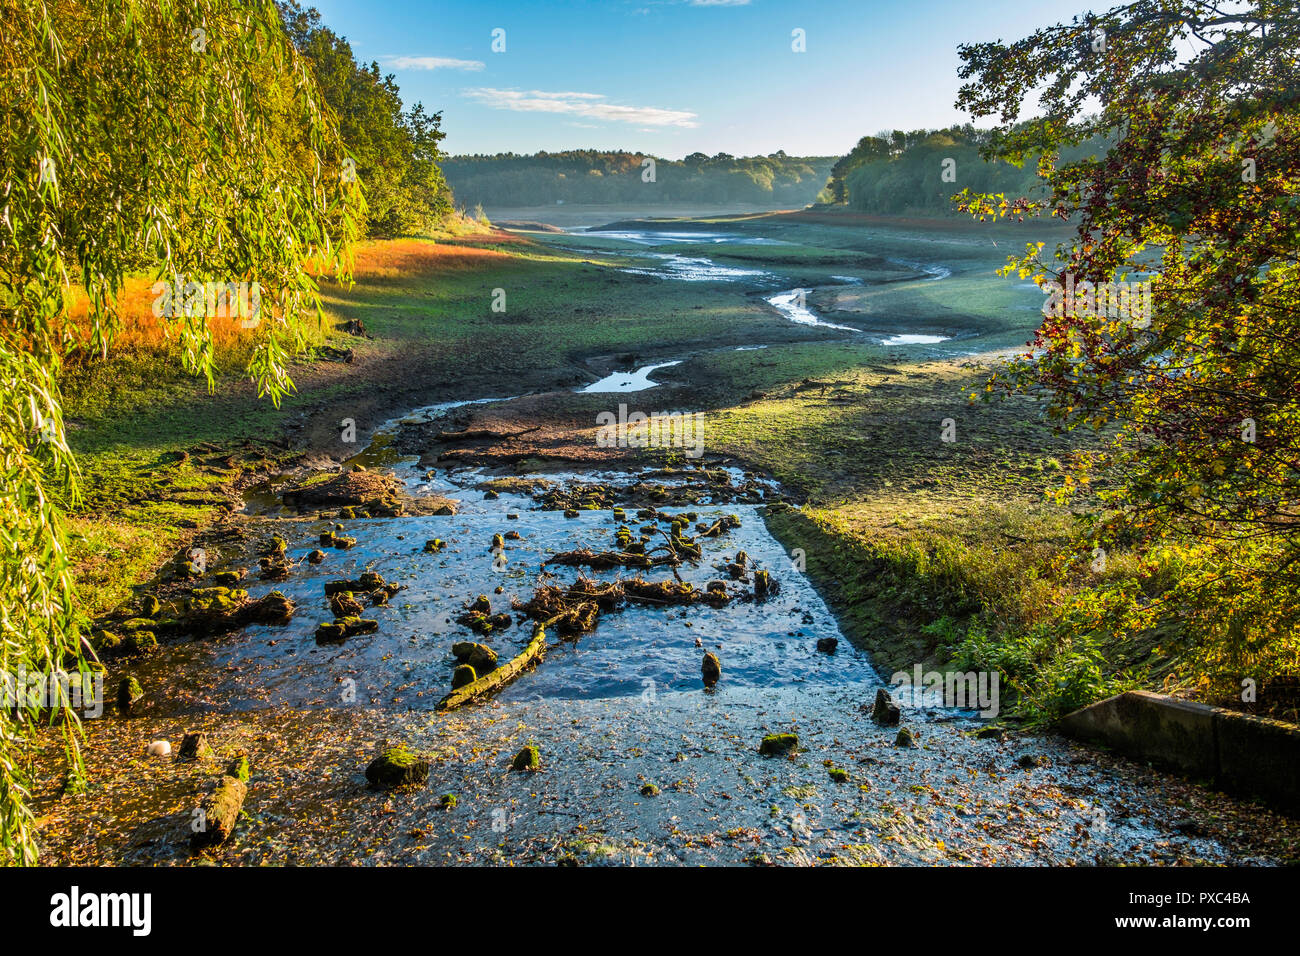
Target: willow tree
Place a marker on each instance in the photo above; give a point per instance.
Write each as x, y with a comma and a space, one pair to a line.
1197, 391
185, 137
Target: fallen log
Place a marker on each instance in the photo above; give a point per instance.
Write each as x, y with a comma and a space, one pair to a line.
487, 685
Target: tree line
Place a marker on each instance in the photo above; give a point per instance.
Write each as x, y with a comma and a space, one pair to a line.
619, 176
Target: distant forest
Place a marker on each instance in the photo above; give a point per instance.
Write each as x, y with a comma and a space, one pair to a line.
902, 172
600, 176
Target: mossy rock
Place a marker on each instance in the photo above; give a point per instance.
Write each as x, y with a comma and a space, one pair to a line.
498, 543
316, 556
448, 801
905, 738
129, 696
478, 656
150, 606
330, 632
463, 674
397, 767
491, 495
711, 669
227, 578
839, 774
218, 600
528, 759
434, 546
238, 768
327, 538
343, 543
137, 624
775, 745
650, 790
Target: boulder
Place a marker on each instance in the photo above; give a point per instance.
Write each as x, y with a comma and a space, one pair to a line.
220, 813
885, 712
774, 745
397, 767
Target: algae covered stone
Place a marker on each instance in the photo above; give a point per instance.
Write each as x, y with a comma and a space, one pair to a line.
129, 696
774, 745
905, 738
529, 758
397, 767
462, 675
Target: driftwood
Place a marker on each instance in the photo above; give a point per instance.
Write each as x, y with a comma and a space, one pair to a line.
493, 681
220, 813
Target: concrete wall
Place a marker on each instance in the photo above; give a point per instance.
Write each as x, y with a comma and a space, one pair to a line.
1235, 752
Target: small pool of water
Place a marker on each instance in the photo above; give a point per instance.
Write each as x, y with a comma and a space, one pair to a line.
634, 381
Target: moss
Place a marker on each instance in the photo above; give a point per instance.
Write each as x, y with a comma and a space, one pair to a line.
448, 801
238, 768
434, 545
839, 774
777, 744
528, 759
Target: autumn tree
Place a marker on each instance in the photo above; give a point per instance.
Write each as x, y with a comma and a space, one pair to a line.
1193, 380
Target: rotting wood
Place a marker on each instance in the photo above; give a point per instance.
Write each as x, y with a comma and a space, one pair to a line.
493, 681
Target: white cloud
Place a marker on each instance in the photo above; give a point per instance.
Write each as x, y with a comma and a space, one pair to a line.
587, 105
431, 63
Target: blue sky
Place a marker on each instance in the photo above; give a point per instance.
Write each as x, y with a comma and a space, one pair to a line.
676, 76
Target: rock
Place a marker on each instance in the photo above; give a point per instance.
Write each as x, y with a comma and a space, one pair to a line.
885, 712
397, 767
150, 606
478, 656
778, 744
827, 645
711, 669
343, 628
343, 543
344, 604
838, 774
1030, 761
158, 748
220, 813
491, 495
904, 738
316, 556
129, 696
238, 768
764, 585
195, 746
330, 632
649, 790
434, 545
991, 732
227, 578
447, 801
462, 675
527, 759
